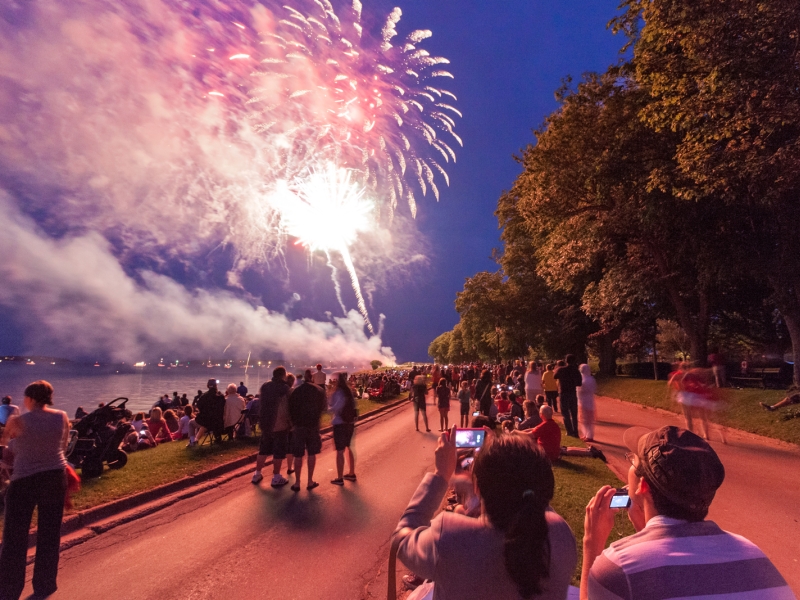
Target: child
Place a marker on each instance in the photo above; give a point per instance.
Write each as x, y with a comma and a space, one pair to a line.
586, 409
464, 398
443, 402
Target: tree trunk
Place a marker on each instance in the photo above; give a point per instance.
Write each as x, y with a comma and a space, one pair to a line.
608, 355
655, 361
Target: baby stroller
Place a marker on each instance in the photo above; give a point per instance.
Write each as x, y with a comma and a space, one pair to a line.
97, 437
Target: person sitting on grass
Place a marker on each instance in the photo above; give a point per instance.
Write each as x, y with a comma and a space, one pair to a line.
171, 419
138, 441
139, 422
184, 424
788, 401
548, 434
158, 426
676, 553
532, 418
520, 547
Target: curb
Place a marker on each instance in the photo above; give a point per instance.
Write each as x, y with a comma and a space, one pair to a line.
99, 519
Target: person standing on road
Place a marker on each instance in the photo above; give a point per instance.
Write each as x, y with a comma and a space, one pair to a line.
483, 392
343, 407
676, 553
319, 377
275, 426
306, 405
464, 402
443, 404
569, 380
586, 406
550, 386
419, 391
39, 481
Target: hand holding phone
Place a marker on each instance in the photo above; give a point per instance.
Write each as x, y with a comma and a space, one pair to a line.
470, 438
620, 499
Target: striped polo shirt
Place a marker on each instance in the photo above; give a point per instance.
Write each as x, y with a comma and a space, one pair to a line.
671, 559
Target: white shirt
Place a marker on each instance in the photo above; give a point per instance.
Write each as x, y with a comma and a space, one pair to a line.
319, 378
533, 382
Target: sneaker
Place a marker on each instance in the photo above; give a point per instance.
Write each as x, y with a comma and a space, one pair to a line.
597, 453
350, 477
412, 582
278, 480
766, 406
257, 476
191, 444
337, 481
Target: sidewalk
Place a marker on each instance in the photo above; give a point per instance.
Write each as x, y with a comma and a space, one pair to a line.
760, 498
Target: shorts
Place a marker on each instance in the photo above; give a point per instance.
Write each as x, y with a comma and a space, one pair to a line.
306, 439
276, 443
343, 435
464, 409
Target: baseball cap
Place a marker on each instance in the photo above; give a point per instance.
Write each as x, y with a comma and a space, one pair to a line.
211, 383
682, 466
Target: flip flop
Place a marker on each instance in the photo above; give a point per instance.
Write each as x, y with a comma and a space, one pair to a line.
349, 477
337, 481
312, 485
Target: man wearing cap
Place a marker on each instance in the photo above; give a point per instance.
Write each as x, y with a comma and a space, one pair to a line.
212, 410
676, 552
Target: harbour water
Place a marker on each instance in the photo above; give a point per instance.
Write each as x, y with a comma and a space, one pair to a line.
86, 385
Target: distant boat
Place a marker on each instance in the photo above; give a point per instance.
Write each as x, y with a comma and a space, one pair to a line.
139, 364
96, 364
30, 362
161, 365
227, 366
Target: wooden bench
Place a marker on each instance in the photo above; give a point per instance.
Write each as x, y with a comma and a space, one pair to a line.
760, 376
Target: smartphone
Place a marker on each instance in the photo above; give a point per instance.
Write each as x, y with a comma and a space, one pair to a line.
470, 438
621, 499
477, 413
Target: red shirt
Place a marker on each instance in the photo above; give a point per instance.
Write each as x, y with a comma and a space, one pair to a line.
548, 433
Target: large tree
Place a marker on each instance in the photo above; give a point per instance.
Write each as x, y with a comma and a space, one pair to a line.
724, 77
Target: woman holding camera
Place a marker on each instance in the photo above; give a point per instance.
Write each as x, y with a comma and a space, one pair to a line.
518, 548
39, 481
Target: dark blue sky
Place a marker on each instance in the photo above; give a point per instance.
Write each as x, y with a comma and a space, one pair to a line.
508, 59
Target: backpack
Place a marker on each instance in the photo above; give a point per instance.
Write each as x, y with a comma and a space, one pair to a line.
349, 412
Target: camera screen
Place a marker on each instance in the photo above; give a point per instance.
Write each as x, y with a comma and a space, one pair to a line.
469, 438
620, 501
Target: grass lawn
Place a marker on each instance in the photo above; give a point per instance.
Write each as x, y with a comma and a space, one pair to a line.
577, 480
740, 407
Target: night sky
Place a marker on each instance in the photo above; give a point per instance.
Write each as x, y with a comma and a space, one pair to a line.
508, 59
507, 64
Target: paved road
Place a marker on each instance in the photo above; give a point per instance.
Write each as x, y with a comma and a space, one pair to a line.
245, 541
760, 497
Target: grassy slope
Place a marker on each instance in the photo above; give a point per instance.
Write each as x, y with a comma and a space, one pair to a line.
740, 407
577, 480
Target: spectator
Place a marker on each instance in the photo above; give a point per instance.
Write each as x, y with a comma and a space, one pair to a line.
483, 392
171, 419
548, 434
242, 389
533, 382
184, 400
419, 391
211, 407
158, 426
138, 422
306, 405
176, 401
464, 402
163, 403
502, 402
550, 386
676, 552
586, 406
788, 401
138, 441
343, 407
521, 547
319, 377
569, 379
183, 424
443, 404
234, 405
532, 418
275, 426
39, 481
197, 397
8, 410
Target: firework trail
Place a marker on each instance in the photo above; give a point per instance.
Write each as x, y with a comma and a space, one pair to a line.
336, 96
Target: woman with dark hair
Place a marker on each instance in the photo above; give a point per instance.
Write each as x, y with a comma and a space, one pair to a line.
39, 481
483, 392
443, 404
518, 548
343, 407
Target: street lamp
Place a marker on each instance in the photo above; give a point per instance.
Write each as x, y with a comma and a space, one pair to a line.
497, 331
